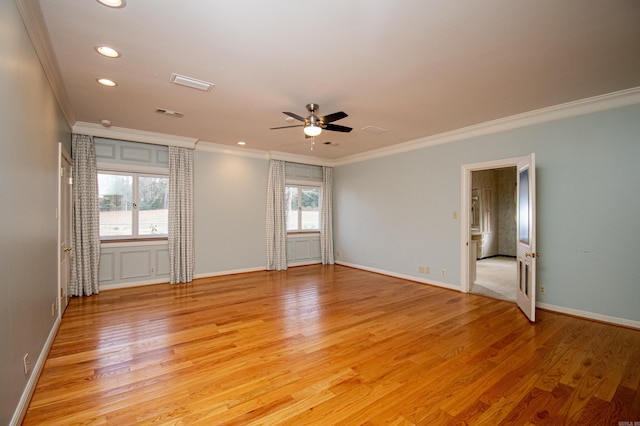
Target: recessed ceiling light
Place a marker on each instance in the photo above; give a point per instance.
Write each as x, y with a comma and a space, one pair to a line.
107, 82
108, 52
242, 143
113, 3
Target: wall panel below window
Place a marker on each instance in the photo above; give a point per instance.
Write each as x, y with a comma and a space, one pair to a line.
127, 264
303, 250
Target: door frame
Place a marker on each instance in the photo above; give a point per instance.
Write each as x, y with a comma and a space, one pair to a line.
63, 157
465, 217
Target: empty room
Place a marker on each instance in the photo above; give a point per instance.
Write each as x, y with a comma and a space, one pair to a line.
286, 212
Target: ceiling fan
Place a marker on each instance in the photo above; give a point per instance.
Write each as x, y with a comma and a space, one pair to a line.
313, 125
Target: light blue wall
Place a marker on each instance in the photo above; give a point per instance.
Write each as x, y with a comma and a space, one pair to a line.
396, 213
230, 208
32, 125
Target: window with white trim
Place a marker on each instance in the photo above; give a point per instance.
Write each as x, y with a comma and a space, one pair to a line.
133, 205
303, 208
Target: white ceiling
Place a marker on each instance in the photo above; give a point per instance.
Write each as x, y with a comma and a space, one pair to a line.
417, 68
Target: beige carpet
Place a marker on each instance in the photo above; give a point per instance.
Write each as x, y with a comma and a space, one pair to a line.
496, 277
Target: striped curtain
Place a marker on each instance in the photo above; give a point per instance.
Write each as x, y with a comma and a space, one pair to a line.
85, 264
326, 217
276, 217
181, 250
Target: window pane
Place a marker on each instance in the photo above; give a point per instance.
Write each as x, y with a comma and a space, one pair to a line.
523, 208
153, 213
115, 201
310, 208
291, 205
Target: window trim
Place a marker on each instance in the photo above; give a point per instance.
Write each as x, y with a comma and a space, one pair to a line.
135, 173
305, 184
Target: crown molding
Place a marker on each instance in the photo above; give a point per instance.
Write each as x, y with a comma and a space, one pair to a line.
263, 155
36, 28
570, 109
231, 150
122, 133
302, 159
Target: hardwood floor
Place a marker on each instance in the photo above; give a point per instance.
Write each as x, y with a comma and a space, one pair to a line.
329, 345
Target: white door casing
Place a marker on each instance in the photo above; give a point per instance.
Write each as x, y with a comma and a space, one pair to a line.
65, 246
467, 276
526, 229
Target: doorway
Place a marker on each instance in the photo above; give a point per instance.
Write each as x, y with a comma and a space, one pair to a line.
65, 246
489, 231
493, 232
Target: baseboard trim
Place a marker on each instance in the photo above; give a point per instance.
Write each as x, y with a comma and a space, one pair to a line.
230, 272
401, 276
589, 315
546, 306
311, 262
104, 287
117, 286
25, 399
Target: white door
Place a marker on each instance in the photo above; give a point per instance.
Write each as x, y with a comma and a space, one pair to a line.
527, 255
65, 248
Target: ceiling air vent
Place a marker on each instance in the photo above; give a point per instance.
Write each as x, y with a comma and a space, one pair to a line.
170, 113
183, 80
373, 129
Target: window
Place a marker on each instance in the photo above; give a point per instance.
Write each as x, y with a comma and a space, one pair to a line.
303, 208
133, 205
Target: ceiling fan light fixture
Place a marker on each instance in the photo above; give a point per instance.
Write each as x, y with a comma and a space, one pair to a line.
312, 130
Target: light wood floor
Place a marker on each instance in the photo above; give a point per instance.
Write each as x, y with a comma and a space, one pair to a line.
329, 345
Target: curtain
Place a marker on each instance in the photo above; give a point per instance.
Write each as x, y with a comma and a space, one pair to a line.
181, 250
326, 217
276, 217
85, 264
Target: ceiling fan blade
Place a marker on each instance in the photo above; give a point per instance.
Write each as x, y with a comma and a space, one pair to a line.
333, 117
292, 115
338, 128
286, 127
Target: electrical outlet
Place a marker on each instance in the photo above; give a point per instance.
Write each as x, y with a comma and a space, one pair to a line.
443, 273
153, 269
53, 309
26, 362
421, 269
542, 289
339, 253
427, 269
455, 215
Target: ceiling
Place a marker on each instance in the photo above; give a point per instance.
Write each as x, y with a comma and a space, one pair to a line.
415, 68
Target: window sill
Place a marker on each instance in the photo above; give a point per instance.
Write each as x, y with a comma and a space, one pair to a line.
302, 234
124, 242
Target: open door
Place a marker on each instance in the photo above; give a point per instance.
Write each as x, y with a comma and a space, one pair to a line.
527, 255
65, 246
